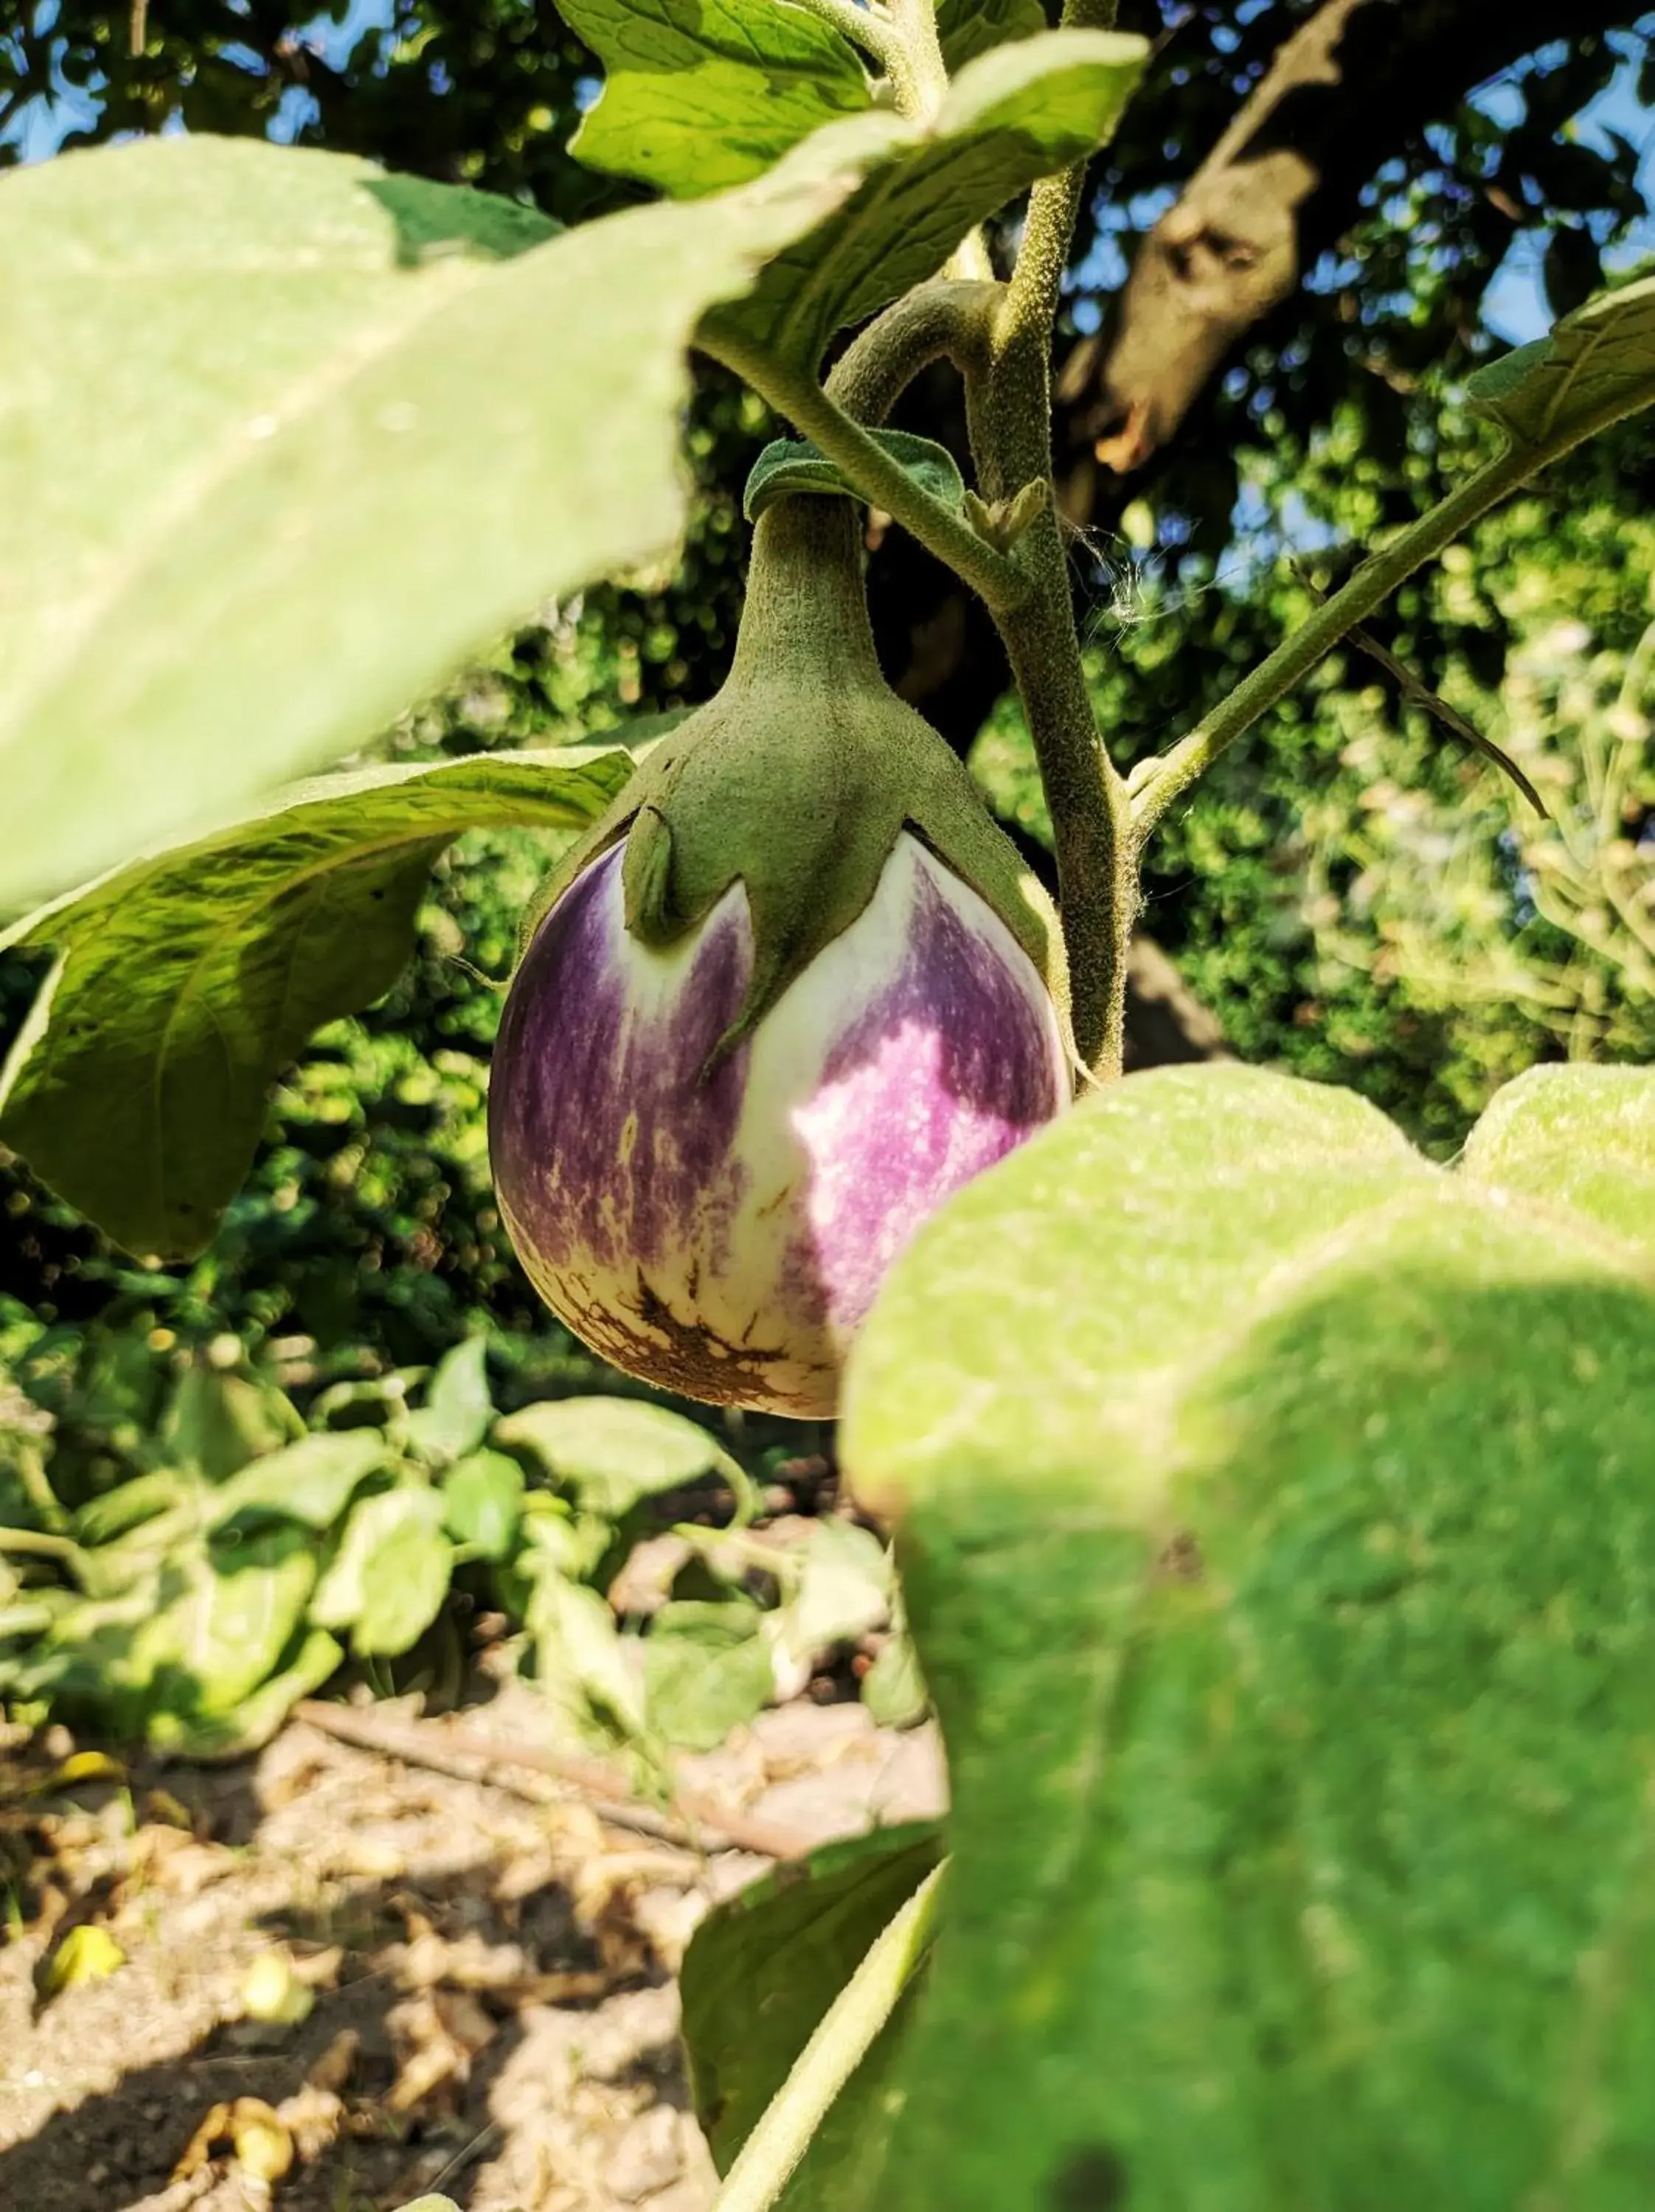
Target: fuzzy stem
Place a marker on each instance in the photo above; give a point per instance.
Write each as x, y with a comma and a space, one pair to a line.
804, 584
946, 319
903, 39
1009, 404
870, 28
870, 471
916, 22
772, 2152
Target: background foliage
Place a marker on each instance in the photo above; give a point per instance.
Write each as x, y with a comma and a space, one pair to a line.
1353, 893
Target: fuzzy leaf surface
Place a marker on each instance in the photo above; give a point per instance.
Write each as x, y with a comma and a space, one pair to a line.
1012, 115
1576, 1136
1278, 1529
273, 368
188, 980
794, 464
701, 94
1591, 368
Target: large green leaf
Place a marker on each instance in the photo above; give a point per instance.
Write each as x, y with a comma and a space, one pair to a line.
701, 95
1592, 368
1584, 1137
188, 980
483, 1503
282, 439
763, 1967
314, 1655
969, 27
1011, 116
707, 1669
1279, 1534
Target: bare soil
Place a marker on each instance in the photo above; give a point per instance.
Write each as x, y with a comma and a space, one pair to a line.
485, 1968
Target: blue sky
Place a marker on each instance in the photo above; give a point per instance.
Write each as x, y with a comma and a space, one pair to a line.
1513, 305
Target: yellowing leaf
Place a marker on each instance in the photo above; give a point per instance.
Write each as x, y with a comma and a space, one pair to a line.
87, 1954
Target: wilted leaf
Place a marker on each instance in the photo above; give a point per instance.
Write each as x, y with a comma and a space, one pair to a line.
706, 1671
701, 95
1279, 1550
1011, 116
186, 981
483, 1499
264, 2145
272, 1992
578, 1651
391, 1572
332, 431
84, 1766
844, 1589
788, 465
458, 1409
612, 1452
311, 1482
87, 1954
763, 1968
893, 1688
1594, 366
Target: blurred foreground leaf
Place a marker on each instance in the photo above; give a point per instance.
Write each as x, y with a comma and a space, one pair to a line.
1278, 1526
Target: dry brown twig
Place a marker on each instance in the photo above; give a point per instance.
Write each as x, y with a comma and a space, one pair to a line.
697, 1821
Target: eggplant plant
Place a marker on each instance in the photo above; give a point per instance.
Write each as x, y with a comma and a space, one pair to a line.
1275, 1508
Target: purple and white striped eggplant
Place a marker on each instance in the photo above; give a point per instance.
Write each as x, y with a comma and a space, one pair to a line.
793, 992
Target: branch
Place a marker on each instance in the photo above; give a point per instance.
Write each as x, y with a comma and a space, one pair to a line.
1156, 784
1353, 85
696, 1819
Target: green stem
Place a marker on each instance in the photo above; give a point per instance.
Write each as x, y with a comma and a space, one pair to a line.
945, 320
903, 39
1008, 399
916, 22
1009, 403
866, 465
772, 2152
1156, 785
1160, 783
1049, 230
34, 1544
870, 28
